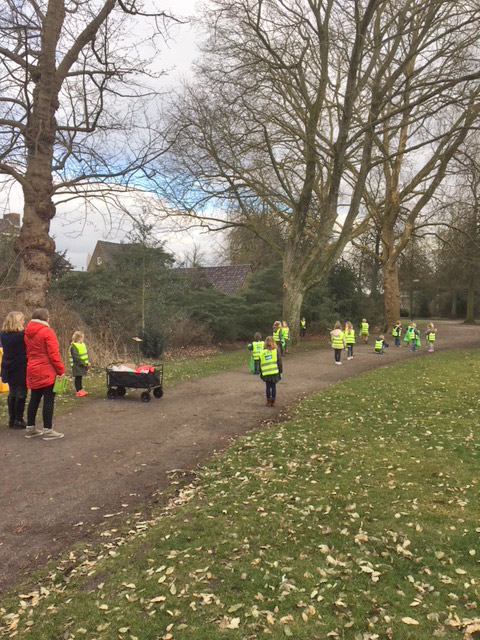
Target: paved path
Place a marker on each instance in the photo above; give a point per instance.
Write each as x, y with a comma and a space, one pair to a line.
116, 454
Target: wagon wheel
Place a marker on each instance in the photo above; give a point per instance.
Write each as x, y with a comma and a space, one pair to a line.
158, 392
121, 391
145, 397
111, 393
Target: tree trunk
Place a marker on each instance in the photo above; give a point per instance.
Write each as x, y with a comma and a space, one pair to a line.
453, 308
34, 245
293, 294
391, 294
470, 315
293, 290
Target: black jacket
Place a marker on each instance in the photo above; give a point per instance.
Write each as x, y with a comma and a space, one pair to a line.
14, 361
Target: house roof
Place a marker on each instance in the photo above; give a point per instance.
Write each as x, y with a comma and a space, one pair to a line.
227, 279
111, 249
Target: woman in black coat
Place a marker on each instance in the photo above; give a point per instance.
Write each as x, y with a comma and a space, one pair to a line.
14, 367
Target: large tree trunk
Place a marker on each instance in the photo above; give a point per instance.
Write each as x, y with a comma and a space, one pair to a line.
470, 315
293, 293
453, 308
35, 247
391, 294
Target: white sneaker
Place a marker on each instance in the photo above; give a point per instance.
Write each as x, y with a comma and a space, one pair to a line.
32, 432
50, 434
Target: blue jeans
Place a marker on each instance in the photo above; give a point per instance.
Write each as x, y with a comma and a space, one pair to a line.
397, 341
271, 389
412, 344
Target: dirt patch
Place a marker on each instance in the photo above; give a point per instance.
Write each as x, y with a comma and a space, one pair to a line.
118, 455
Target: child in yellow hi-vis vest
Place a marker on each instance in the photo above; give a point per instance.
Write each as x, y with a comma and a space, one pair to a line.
349, 339
271, 368
78, 358
285, 335
338, 341
256, 347
364, 327
430, 335
278, 335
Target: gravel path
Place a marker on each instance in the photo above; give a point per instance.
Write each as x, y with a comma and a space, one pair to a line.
117, 454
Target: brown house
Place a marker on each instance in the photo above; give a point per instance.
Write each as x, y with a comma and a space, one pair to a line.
227, 279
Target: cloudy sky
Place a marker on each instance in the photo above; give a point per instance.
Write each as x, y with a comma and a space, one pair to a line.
77, 232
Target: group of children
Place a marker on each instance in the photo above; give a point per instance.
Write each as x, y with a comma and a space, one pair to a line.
346, 339
266, 360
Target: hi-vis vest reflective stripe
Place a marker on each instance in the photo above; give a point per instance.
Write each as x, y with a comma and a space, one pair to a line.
286, 333
303, 324
378, 345
431, 336
337, 341
269, 362
82, 352
278, 335
257, 348
396, 332
350, 336
364, 327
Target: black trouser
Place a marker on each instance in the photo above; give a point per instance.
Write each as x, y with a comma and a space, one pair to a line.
303, 332
338, 355
16, 402
349, 350
271, 389
256, 367
78, 383
48, 402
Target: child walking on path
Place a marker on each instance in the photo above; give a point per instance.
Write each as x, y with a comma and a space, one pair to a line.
412, 336
303, 327
78, 358
278, 335
256, 347
338, 341
380, 344
430, 337
397, 332
349, 339
43, 365
364, 330
14, 367
271, 368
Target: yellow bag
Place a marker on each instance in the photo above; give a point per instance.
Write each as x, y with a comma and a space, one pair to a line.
3, 385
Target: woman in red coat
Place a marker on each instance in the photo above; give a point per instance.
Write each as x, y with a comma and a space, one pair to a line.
43, 365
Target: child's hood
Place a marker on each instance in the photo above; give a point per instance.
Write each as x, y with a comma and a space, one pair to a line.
336, 332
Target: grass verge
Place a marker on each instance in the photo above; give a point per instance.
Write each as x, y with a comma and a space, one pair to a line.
358, 519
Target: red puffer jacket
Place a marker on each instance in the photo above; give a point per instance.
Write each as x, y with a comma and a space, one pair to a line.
43, 355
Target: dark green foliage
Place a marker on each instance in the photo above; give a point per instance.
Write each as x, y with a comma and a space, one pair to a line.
153, 342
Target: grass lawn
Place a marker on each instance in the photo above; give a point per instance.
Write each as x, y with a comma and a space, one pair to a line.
358, 518
176, 369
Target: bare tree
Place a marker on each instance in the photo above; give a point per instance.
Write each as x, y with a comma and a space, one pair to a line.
286, 111
417, 140
76, 91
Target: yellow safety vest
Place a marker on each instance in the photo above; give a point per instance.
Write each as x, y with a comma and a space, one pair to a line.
350, 336
82, 352
278, 335
337, 341
257, 347
396, 331
431, 336
303, 324
286, 333
378, 345
364, 329
269, 362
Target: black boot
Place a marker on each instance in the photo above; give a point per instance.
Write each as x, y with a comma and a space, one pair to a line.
19, 409
11, 411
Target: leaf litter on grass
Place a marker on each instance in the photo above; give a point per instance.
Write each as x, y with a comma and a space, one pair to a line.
355, 519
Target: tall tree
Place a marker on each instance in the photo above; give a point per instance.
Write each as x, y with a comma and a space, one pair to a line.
73, 111
283, 120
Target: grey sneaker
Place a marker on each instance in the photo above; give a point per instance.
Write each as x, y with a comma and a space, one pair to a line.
50, 434
32, 432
